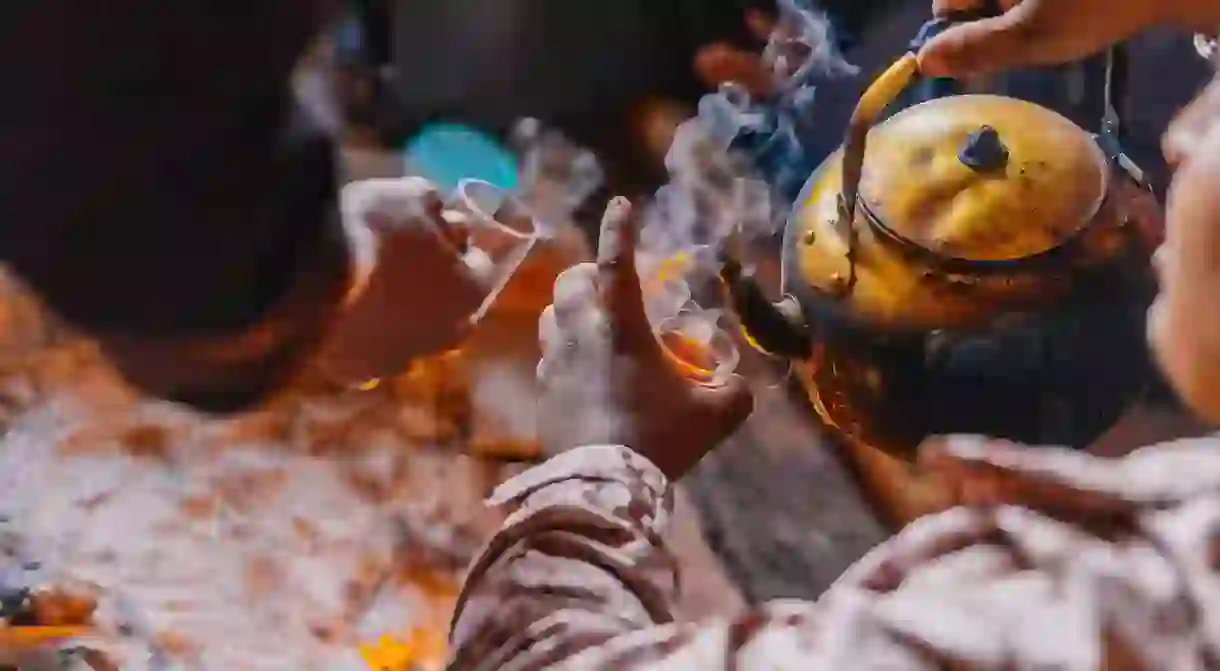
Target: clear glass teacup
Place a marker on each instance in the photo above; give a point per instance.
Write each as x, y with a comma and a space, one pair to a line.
689, 334
696, 344
495, 231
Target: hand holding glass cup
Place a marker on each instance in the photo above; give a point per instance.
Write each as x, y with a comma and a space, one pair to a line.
427, 269
629, 359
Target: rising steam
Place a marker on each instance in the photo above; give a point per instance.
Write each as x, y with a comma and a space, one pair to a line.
733, 171
734, 166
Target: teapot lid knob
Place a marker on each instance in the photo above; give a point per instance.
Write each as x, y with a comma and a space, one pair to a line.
983, 151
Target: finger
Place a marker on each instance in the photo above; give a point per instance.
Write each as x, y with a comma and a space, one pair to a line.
576, 300
1145, 212
728, 404
1012, 40
992, 472
544, 372
455, 229
722, 63
618, 279
374, 210
1160, 263
549, 335
409, 201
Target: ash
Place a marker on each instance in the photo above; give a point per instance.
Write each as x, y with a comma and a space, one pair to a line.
281, 540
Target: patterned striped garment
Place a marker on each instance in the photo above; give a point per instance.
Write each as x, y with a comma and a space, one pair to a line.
1105, 564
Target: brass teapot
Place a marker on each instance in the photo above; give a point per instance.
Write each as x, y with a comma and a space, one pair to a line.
962, 224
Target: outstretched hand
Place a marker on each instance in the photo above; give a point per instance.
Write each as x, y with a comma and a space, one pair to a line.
607, 379
1032, 33
413, 293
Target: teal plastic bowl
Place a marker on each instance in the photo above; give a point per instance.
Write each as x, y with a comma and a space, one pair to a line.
447, 153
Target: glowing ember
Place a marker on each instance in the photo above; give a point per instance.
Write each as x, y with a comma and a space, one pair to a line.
425, 646
675, 267
423, 650
369, 385
284, 539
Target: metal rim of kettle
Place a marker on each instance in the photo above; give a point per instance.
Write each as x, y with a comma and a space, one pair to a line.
830, 312
897, 77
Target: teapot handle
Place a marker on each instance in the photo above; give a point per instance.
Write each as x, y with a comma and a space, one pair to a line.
881, 93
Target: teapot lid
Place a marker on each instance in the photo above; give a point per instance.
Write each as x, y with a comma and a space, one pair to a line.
982, 178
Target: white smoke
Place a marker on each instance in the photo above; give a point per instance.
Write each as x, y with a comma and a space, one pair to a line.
715, 189
555, 176
714, 192
802, 47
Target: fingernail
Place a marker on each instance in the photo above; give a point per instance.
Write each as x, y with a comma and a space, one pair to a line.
617, 209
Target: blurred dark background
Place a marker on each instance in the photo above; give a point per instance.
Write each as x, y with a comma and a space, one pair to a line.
585, 66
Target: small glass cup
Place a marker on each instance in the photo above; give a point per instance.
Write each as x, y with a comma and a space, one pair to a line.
699, 348
499, 233
494, 232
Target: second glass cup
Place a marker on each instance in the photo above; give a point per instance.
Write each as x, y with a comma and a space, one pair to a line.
498, 231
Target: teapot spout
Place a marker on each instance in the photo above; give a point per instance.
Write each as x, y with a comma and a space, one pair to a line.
775, 329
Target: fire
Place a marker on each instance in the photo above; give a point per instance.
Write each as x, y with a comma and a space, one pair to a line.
423, 649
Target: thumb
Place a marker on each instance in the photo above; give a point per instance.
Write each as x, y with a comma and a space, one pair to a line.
617, 279
728, 404
1012, 40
